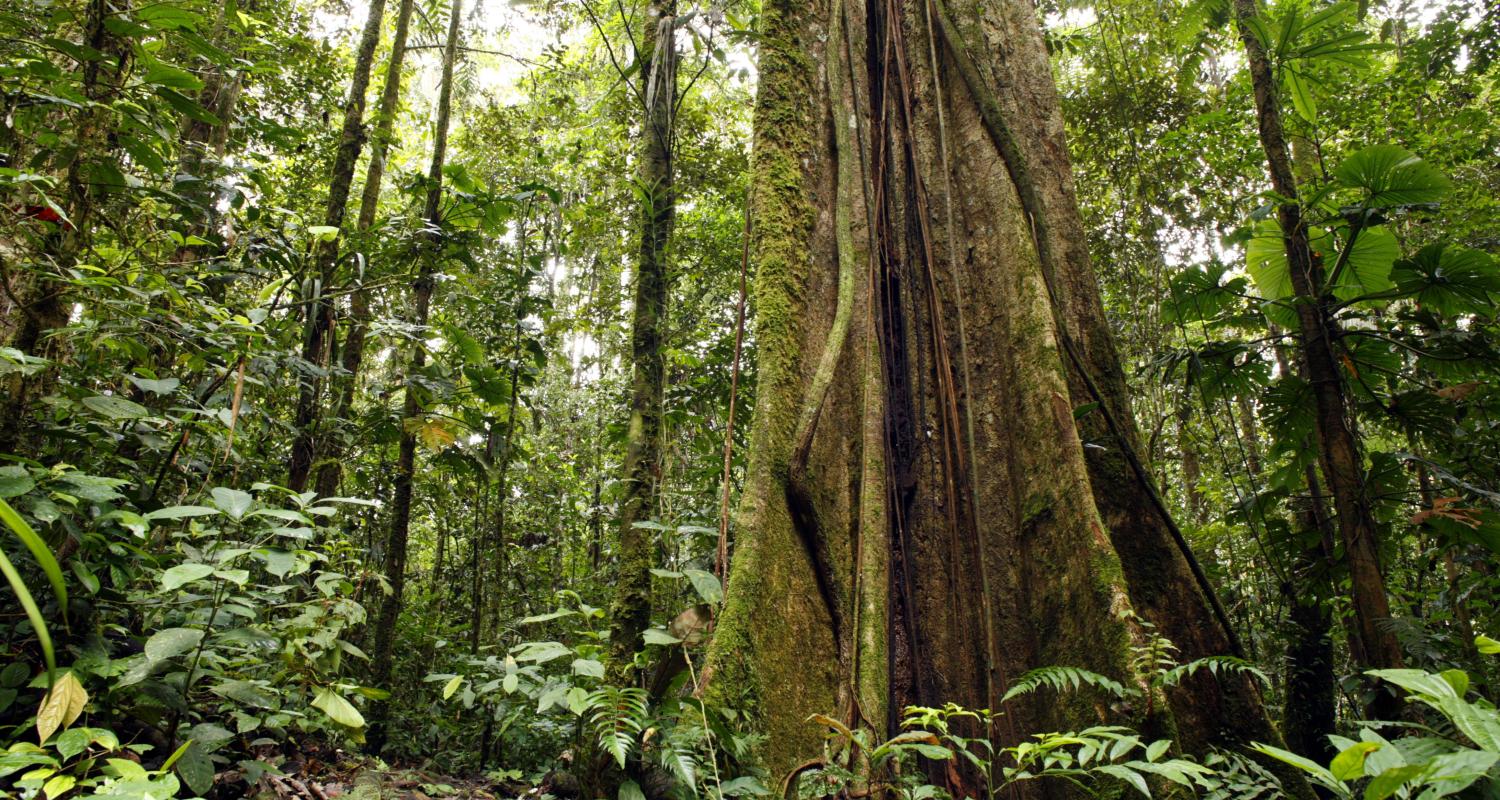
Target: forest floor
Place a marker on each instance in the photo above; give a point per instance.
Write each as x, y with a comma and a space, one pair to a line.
347, 777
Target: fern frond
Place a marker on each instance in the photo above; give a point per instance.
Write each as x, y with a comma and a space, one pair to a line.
1218, 666
619, 717
1065, 679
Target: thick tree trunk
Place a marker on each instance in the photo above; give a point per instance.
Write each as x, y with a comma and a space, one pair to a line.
657, 61
919, 522
1338, 445
411, 410
353, 353
318, 304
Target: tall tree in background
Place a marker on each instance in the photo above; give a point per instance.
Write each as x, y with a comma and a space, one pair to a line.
920, 523
656, 59
1373, 641
317, 300
411, 409
352, 353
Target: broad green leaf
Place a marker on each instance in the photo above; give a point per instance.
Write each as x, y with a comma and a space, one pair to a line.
1448, 280
159, 73
659, 636
195, 768
1350, 762
15, 481
588, 667
180, 512
1389, 176
1302, 97
163, 386
232, 501
337, 708
58, 785
448, 690
1486, 645
706, 584
72, 742
172, 642
114, 407
542, 652
184, 574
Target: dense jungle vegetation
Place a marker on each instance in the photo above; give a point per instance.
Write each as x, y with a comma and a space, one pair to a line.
916, 399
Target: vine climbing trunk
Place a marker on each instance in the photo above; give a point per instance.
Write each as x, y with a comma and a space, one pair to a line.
656, 60
919, 522
352, 354
1374, 643
411, 410
317, 298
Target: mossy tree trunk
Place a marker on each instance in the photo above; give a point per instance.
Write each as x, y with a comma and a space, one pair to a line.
411, 410
657, 66
920, 524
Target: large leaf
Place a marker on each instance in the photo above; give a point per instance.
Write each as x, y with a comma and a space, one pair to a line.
184, 574
61, 707
1366, 271
337, 708
115, 407
172, 642
232, 501
1449, 280
1390, 176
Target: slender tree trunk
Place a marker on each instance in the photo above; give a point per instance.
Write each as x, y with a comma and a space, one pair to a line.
1338, 445
919, 524
1192, 469
353, 354
1310, 710
318, 304
657, 61
411, 410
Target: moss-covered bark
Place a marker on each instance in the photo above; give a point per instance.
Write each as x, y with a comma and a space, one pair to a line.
657, 66
947, 536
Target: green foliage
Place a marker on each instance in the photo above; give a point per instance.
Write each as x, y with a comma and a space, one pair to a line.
1427, 763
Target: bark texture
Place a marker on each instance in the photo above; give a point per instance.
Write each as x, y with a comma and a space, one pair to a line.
657, 61
921, 525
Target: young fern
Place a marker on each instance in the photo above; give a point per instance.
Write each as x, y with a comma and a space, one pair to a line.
619, 718
1065, 679
1218, 666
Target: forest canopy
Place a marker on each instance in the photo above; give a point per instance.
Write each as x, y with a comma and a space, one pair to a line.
707, 399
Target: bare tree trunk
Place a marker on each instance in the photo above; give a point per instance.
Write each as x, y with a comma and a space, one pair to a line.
411, 410
353, 354
318, 304
1338, 445
657, 60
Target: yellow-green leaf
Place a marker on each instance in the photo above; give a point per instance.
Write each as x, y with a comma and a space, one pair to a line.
61, 707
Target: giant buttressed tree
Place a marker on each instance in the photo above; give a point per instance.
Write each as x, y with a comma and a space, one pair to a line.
920, 522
